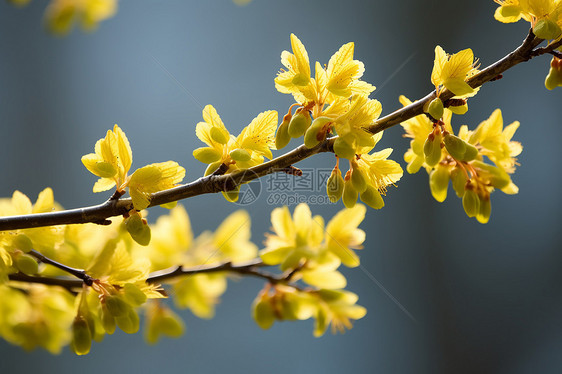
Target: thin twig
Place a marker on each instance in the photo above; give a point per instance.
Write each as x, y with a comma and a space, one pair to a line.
249, 268
78, 273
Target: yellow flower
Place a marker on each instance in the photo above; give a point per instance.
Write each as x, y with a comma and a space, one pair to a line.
37, 316
248, 149
343, 234
44, 239
545, 16
112, 160
418, 128
351, 125
297, 62
452, 71
62, 14
337, 308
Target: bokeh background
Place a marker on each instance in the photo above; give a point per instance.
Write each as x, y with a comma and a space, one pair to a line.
444, 294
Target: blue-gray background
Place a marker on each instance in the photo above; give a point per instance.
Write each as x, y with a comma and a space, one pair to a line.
484, 298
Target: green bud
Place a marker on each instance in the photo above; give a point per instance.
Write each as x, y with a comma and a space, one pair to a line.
343, 149
372, 197
435, 108
334, 185
350, 194
138, 229
206, 155
470, 153
299, 123
471, 203
27, 264
546, 29
554, 77
218, 135
133, 295
282, 138
130, 322
485, 210
438, 182
459, 149
432, 149
458, 178
107, 320
105, 169
240, 154
316, 132
263, 313
359, 179
116, 305
23, 243
81, 336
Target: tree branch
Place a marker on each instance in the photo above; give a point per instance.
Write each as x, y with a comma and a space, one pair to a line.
216, 183
523, 53
249, 268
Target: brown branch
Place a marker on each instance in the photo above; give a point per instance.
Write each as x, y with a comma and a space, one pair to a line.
249, 268
523, 53
210, 184
216, 182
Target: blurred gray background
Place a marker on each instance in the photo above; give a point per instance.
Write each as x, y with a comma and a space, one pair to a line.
483, 298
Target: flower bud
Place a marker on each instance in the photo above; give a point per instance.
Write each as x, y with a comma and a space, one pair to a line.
218, 135
438, 182
81, 336
138, 229
372, 197
432, 149
471, 202
460, 149
350, 194
240, 154
299, 123
546, 29
23, 243
334, 185
116, 305
358, 178
282, 138
207, 155
316, 132
435, 108
343, 149
554, 77
263, 313
27, 264
107, 320
130, 322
